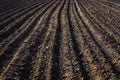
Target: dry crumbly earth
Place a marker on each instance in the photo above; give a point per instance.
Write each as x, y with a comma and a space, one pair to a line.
60, 40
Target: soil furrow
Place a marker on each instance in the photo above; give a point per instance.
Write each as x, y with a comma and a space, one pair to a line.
11, 29
26, 56
32, 49
16, 43
21, 30
110, 5
76, 48
6, 25
106, 19
55, 70
103, 52
13, 18
90, 65
59, 40
16, 13
25, 47
10, 10
112, 42
108, 41
41, 69
67, 57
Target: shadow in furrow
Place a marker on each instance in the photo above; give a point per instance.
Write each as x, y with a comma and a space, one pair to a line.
76, 47
55, 70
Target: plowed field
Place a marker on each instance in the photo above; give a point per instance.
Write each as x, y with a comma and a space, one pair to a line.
61, 40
